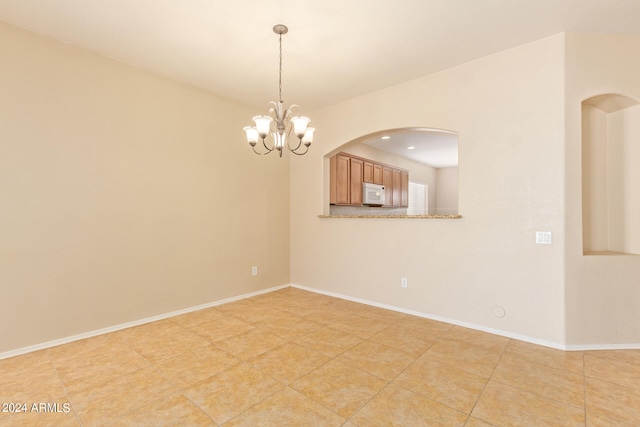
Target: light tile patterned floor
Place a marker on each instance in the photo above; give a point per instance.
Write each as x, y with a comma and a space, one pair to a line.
296, 358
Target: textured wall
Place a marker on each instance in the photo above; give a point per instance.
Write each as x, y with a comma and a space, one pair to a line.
124, 195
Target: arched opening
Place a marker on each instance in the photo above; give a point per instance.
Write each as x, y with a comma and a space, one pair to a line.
418, 168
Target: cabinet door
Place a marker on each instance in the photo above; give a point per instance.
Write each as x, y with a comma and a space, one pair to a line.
342, 180
397, 187
367, 172
332, 179
357, 170
405, 188
387, 181
377, 174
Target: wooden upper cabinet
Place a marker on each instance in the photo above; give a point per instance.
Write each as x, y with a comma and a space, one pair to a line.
333, 162
397, 187
387, 181
377, 174
357, 174
341, 182
368, 172
404, 184
347, 173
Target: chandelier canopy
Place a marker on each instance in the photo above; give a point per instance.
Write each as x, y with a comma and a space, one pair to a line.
278, 122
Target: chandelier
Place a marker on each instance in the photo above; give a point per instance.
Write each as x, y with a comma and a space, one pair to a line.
278, 122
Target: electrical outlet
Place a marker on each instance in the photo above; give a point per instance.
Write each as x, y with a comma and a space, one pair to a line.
403, 282
254, 270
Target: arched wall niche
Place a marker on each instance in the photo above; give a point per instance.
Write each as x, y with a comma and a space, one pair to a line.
430, 155
611, 175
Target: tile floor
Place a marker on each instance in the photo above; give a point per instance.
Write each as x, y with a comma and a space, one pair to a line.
296, 358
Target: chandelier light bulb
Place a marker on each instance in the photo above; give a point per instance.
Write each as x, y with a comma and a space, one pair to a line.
307, 139
252, 134
300, 125
263, 123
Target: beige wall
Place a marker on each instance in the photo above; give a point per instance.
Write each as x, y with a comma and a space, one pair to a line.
124, 195
508, 109
603, 292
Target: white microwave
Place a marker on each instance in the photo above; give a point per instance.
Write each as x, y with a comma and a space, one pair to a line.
372, 194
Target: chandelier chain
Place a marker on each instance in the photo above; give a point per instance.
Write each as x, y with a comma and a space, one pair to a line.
280, 73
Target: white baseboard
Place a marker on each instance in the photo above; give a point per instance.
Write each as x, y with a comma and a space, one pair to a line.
557, 346
595, 347
573, 347
121, 326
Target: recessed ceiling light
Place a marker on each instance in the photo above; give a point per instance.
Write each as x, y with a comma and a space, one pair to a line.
411, 148
386, 137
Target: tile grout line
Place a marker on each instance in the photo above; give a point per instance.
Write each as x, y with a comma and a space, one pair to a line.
584, 387
489, 379
287, 341
198, 406
396, 385
536, 393
586, 377
55, 368
331, 358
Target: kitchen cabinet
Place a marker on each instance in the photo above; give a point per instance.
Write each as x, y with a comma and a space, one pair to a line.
397, 188
404, 185
340, 166
387, 181
377, 174
348, 173
355, 181
368, 172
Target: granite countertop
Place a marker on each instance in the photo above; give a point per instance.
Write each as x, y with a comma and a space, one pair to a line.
394, 216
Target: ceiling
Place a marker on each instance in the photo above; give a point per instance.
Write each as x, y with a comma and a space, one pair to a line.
335, 49
433, 147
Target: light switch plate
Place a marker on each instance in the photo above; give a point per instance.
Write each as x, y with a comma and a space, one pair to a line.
544, 238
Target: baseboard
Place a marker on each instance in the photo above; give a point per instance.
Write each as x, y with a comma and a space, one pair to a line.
54, 343
572, 347
557, 346
596, 347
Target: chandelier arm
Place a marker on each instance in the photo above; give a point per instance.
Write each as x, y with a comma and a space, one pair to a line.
298, 146
267, 148
300, 154
264, 154
257, 152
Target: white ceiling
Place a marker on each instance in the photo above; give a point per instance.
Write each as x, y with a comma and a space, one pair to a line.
433, 147
335, 49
